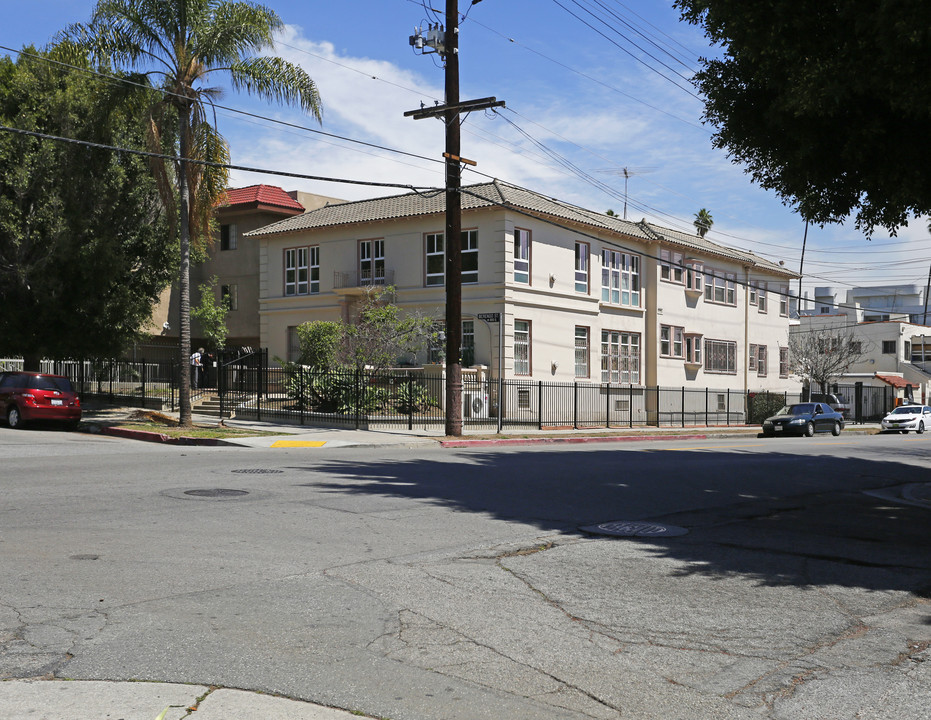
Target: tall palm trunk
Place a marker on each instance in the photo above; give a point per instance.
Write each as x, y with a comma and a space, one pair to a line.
184, 280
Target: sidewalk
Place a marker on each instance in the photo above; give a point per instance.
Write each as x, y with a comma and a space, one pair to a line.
77, 699
292, 436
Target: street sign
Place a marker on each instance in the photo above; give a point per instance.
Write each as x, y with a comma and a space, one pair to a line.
490, 317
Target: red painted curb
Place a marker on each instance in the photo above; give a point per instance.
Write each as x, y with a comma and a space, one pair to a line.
147, 436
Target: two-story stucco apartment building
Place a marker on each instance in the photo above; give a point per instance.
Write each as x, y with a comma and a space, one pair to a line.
583, 296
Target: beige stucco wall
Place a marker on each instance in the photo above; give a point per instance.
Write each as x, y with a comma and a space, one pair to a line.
549, 302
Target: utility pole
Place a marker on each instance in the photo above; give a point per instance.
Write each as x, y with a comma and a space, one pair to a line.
447, 45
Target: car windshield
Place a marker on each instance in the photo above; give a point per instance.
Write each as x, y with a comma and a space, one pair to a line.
906, 410
799, 409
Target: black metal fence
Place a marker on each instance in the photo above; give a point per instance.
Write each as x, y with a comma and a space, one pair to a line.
242, 383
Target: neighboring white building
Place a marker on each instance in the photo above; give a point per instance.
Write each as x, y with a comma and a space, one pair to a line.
896, 352
583, 296
873, 303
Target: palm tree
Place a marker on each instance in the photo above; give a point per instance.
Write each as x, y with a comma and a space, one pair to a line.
178, 46
703, 222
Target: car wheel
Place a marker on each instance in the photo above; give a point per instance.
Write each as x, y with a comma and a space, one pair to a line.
13, 418
921, 427
835, 431
809, 429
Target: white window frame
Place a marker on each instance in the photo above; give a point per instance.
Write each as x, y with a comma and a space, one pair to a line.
434, 247
582, 261
582, 351
721, 349
302, 270
522, 340
620, 357
620, 278
522, 248
784, 301
470, 255
372, 262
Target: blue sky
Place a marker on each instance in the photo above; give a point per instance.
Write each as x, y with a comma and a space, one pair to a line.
595, 98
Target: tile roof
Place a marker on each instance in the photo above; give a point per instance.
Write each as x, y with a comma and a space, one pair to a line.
261, 195
895, 380
500, 194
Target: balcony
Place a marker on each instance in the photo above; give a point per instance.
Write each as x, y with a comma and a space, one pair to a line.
356, 281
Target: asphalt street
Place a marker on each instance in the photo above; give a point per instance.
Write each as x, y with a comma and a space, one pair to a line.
422, 583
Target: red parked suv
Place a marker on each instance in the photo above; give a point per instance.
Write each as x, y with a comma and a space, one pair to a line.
27, 396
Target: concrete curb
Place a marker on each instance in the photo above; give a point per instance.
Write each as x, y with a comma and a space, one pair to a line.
147, 436
573, 440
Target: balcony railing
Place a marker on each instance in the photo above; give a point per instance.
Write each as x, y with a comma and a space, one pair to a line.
363, 278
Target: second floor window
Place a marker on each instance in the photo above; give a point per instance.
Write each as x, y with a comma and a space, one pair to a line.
671, 342
670, 266
521, 256
581, 267
372, 262
784, 301
720, 287
620, 278
229, 295
228, 237
302, 270
436, 258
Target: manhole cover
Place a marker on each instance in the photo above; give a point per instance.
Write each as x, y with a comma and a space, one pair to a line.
257, 471
216, 493
627, 528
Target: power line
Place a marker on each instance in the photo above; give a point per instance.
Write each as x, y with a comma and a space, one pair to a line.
206, 163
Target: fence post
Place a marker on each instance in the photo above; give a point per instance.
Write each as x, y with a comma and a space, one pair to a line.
630, 404
706, 406
540, 404
300, 391
143, 383
358, 402
728, 407
608, 405
575, 405
410, 401
683, 406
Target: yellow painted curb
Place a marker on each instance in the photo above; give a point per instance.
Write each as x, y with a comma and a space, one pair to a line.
298, 443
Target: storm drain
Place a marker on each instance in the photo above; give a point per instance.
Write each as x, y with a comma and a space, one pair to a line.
627, 528
216, 493
257, 471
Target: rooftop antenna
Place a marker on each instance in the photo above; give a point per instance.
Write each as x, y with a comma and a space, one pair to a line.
629, 172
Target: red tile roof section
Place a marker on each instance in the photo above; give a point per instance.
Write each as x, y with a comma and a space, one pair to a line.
895, 381
262, 195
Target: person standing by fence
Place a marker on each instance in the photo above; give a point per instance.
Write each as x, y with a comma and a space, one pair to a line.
196, 367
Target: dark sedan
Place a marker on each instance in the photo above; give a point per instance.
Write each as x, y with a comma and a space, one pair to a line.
804, 419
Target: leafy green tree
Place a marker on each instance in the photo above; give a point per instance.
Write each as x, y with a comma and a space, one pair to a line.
378, 336
211, 313
320, 343
703, 222
181, 46
84, 250
826, 103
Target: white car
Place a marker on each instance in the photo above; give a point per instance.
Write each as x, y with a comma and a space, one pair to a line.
908, 417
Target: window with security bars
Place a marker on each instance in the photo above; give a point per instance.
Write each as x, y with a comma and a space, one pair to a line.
581, 352
521, 347
721, 357
783, 362
620, 357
